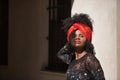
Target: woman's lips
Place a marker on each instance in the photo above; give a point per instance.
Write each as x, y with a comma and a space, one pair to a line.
77, 42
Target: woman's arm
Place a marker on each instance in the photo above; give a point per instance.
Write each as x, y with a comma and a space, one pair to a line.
65, 53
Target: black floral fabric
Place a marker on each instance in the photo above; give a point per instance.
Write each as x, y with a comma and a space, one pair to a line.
86, 68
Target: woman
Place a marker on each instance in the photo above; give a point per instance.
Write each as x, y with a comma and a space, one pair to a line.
78, 52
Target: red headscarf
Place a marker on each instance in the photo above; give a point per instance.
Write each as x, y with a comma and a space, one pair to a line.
83, 28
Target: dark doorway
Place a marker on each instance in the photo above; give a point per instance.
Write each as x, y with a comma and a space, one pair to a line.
58, 10
3, 32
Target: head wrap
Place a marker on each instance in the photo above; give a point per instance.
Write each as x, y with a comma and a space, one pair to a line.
83, 28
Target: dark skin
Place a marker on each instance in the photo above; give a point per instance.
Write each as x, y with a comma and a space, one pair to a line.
78, 42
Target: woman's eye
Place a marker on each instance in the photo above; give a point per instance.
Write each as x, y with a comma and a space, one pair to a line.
81, 35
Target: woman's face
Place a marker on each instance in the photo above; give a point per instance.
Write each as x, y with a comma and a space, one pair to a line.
78, 40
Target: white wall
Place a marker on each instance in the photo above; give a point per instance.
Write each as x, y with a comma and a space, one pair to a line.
104, 36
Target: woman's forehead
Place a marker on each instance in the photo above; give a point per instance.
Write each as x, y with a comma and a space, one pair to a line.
78, 32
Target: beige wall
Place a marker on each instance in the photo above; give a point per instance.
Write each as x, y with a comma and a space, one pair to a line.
28, 46
118, 39
104, 36
28, 29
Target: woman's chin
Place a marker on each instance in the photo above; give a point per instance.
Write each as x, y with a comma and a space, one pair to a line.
77, 45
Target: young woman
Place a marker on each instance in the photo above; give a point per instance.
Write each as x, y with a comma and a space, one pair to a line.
78, 52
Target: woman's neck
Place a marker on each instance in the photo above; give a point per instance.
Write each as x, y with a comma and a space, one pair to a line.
80, 55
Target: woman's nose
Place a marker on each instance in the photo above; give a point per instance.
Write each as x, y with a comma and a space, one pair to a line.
77, 37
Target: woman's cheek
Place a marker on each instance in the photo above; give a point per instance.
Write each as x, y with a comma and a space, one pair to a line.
73, 43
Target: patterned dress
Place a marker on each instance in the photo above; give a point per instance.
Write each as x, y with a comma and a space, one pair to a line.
86, 68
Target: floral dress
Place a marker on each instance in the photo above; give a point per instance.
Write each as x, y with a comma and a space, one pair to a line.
86, 68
